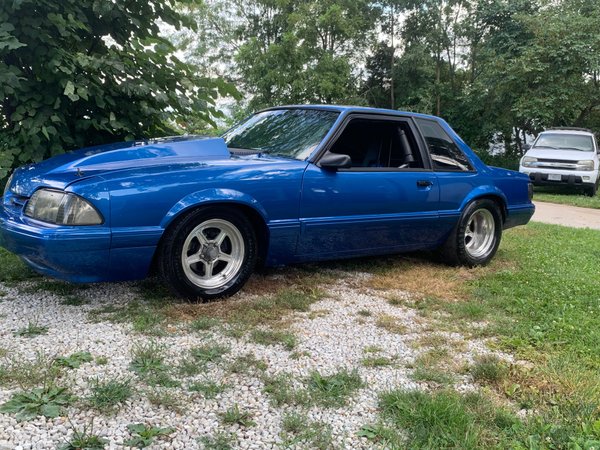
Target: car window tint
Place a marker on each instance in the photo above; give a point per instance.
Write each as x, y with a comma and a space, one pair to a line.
294, 133
445, 154
379, 143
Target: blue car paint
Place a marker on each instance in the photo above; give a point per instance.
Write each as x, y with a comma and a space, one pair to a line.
308, 213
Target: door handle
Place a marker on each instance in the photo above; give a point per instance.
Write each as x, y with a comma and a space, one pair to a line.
424, 183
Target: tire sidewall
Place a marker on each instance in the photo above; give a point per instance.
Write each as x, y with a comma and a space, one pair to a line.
172, 266
463, 255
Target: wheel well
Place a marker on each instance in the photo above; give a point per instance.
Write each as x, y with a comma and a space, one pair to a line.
499, 201
257, 221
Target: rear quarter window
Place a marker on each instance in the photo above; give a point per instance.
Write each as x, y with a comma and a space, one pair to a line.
445, 154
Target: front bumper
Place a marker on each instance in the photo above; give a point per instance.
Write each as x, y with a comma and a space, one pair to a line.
77, 254
549, 177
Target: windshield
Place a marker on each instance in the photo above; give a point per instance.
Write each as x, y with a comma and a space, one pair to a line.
292, 133
563, 141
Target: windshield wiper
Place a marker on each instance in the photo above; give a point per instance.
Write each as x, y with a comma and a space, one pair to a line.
546, 146
575, 148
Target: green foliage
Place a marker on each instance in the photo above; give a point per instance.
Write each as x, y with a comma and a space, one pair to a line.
333, 390
219, 441
106, 395
488, 369
209, 389
235, 415
144, 435
77, 73
298, 431
12, 269
566, 197
75, 360
84, 440
209, 353
32, 330
270, 337
48, 402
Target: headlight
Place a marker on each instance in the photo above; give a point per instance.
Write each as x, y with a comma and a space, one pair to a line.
7, 186
528, 161
585, 165
61, 208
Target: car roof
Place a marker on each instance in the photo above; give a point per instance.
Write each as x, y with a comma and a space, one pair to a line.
354, 109
568, 131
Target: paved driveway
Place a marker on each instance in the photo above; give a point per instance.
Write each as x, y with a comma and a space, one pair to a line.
571, 216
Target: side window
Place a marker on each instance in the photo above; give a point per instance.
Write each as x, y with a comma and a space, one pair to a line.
445, 154
379, 144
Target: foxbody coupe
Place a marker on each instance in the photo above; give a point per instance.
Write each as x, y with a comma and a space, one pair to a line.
288, 185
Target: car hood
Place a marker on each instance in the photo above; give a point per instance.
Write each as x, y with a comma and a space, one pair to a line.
564, 155
60, 171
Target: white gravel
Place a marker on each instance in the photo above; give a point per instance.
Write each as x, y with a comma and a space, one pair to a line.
332, 338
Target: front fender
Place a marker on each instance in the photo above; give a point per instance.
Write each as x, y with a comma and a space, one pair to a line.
208, 196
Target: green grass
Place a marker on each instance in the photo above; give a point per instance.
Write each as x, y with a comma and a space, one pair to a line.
149, 362
209, 389
446, 419
32, 330
236, 416
271, 337
566, 197
146, 317
209, 353
333, 390
218, 441
43, 370
165, 398
299, 432
377, 361
12, 269
488, 369
84, 439
108, 394
203, 324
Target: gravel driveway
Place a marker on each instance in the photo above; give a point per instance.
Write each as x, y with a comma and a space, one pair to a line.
352, 329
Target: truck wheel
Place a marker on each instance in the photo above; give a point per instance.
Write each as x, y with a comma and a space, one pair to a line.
210, 253
476, 237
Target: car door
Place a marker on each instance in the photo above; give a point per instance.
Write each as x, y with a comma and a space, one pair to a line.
381, 204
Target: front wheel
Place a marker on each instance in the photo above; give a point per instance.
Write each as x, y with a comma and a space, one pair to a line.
210, 253
475, 239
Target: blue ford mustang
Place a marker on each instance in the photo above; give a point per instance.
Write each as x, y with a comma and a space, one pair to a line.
288, 185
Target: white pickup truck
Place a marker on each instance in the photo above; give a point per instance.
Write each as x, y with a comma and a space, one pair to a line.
563, 156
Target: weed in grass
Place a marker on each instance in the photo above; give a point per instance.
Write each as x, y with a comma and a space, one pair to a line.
333, 390
74, 300
107, 395
372, 349
270, 337
433, 357
298, 355
144, 435
377, 361
391, 324
31, 330
396, 301
488, 369
235, 416
190, 367
235, 331
282, 391
432, 375
101, 361
246, 364
149, 363
59, 288
75, 360
148, 358
84, 439
43, 370
299, 432
434, 340
208, 389
382, 435
209, 353
165, 399
203, 324
47, 401
218, 441
364, 313
144, 317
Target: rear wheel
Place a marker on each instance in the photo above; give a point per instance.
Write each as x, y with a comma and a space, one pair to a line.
475, 239
210, 253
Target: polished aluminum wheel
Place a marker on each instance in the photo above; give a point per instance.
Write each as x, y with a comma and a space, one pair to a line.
213, 254
480, 234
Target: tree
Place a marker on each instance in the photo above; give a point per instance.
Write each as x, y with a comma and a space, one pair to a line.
83, 72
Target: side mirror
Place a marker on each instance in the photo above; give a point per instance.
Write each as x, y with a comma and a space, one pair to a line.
335, 161
526, 147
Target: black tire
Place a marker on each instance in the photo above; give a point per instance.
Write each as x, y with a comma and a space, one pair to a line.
455, 251
171, 265
590, 191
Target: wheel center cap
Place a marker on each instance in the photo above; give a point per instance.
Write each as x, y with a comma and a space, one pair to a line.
210, 252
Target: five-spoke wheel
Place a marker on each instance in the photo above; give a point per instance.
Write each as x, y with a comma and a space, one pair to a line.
208, 253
